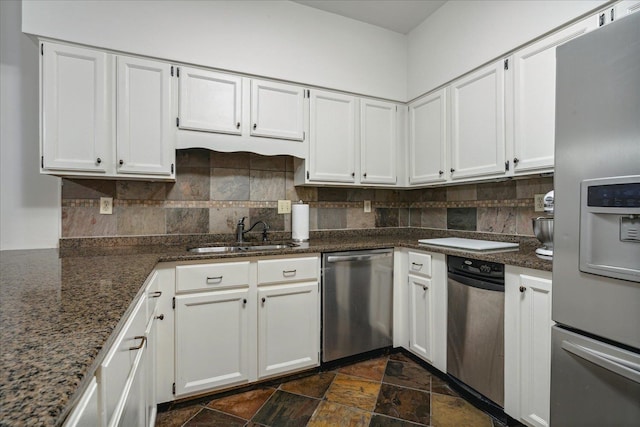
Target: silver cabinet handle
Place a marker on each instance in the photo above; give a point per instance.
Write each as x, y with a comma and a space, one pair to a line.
216, 278
143, 340
155, 294
288, 273
624, 368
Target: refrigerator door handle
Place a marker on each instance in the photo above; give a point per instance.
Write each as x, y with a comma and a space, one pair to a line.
625, 368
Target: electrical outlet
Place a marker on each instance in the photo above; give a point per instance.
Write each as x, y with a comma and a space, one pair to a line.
106, 205
538, 202
284, 206
367, 206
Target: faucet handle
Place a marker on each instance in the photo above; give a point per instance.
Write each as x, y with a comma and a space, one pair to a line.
241, 220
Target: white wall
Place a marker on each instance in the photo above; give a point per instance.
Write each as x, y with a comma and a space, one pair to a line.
29, 202
278, 39
462, 35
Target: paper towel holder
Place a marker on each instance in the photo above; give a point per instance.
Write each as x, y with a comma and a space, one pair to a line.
300, 222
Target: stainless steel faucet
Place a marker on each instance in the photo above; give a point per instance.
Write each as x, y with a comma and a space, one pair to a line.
240, 231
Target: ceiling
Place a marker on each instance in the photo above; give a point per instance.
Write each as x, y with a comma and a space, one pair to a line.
400, 16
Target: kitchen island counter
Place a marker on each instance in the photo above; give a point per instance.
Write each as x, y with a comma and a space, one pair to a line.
61, 309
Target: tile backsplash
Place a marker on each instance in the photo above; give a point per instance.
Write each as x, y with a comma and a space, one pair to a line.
213, 190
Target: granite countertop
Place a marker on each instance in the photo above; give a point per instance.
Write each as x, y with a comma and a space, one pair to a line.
60, 308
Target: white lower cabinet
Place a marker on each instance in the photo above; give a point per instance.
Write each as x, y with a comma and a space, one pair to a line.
421, 317
85, 414
528, 345
420, 305
240, 321
211, 340
288, 328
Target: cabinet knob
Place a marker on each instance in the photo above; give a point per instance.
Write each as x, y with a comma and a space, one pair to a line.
255, 126
516, 160
440, 173
353, 174
452, 170
522, 289
121, 162
238, 125
161, 317
98, 160
264, 300
244, 301
364, 174
424, 288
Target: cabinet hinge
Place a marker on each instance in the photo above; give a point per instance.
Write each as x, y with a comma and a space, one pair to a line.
304, 136
171, 167
172, 71
42, 161
173, 388
308, 93
307, 174
506, 166
42, 49
396, 108
177, 122
318, 356
506, 64
178, 72
173, 303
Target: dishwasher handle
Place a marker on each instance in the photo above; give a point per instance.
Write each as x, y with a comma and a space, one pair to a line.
476, 283
359, 257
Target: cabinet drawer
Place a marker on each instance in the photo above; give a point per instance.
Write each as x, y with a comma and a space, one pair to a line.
287, 270
420, 264
116, 367
211, 276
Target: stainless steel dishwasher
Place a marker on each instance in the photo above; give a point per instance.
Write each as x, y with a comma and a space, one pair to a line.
357, 302
475, 327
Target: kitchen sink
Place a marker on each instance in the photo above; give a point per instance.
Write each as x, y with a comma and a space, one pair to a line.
243, 247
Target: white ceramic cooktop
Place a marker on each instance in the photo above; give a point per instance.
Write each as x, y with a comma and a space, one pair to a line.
471, 244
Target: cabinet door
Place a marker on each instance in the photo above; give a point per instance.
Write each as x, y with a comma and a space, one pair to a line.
421, 317
133, 411
145, 143
277, 110
535, 97
210, 101
288, 328
478, 123
76, 109
85, 414
428, 138
332, 142
535, 350
211, 340
151, 369
378, 142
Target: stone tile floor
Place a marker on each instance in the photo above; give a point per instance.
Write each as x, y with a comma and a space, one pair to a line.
387, 391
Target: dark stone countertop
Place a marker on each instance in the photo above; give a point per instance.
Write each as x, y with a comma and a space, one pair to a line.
60, 308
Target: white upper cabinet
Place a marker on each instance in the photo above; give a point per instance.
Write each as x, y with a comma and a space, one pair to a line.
210, 101
332, 142
378, 142
428, 138
277, 110
234, 113
145, 132
534, 100
76, 106
478, 123
105, 115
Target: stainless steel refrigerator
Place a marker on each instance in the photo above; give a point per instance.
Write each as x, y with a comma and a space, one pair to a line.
595, 360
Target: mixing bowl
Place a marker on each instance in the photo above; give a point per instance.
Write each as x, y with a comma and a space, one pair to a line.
543, 229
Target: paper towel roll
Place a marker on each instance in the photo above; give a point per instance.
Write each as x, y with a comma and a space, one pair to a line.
300, 222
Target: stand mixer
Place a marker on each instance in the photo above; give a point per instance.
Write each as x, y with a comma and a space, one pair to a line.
543, 228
